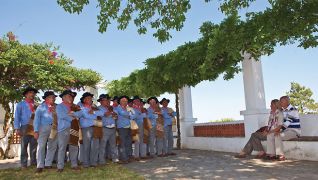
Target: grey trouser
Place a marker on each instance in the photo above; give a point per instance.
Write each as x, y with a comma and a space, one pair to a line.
168, 140
274, 144
254, 143
44, 133
73, 153
125, 143
63, 139
109, 137
27, 140
159, 145
89, 148
151, 141
140, 146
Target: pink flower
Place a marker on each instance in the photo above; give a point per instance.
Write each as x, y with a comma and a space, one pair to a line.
54, 54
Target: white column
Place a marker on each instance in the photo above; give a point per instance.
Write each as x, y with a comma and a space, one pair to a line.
2, 115
256, 114
186, 116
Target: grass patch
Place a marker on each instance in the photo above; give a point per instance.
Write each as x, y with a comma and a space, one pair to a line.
109, 171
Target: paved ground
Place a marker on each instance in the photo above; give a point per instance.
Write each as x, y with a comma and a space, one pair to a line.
198, 164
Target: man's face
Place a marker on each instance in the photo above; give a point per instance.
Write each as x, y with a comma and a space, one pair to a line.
137, 102
30, 95
284, 103
68, 98
115, 103
50, 99
104, 102
152, 103
165, 103
88, 100
123, 102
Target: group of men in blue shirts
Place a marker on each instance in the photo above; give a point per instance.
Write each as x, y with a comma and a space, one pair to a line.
47, 129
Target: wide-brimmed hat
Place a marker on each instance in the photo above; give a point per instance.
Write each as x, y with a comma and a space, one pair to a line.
103, 96
137, 97
164, 99
86, 94
115, 98
28, 89
65, 93
74, 94
48, 93
152, 98
121, 97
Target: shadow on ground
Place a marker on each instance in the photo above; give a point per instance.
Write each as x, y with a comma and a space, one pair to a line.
198, 164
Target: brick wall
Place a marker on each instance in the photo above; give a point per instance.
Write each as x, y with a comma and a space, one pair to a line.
219, 130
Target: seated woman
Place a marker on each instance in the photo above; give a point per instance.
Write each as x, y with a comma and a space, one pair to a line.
274, 140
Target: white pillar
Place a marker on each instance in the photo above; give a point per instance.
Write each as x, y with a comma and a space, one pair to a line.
256, 114
186, 116
2, 116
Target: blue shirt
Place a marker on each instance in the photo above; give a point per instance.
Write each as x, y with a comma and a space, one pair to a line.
22, 115
108, 121
139, 117
124, 117
42, 117
152, 116
167, 118
87, 119
63, 118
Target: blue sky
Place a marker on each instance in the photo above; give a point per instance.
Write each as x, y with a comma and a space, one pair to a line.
116, 53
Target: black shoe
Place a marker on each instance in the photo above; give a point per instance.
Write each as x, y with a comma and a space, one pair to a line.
39, 170
59, 170
48, 167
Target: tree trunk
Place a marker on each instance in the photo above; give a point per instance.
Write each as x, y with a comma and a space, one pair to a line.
178, 122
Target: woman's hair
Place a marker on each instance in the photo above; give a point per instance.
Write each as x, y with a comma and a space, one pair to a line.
276, 103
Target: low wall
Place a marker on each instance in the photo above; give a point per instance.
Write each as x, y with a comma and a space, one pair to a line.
209, 136
226, 129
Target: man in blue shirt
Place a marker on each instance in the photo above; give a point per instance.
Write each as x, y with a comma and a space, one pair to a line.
140, 114
125, 114
23, 125
43, 121
65, 117
153, 116
109, 129
168, 114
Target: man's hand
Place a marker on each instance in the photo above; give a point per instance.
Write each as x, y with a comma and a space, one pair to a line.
18, 132
36, 135
108, 113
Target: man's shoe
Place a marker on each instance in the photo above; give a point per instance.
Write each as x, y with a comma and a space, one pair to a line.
39, 170
76, 168
240, 156
59, 170
281, 158
48, 167
172, 154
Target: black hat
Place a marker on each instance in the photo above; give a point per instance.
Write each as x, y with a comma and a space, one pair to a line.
102, 96
115, 98
66, 92
152, 98
137, 97
74, 94
28, 89
86, 94
48, 93
122, 97
130, 100
164, 99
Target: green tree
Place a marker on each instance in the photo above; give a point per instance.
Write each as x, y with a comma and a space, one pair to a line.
39, 66
282, 21
301, 98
